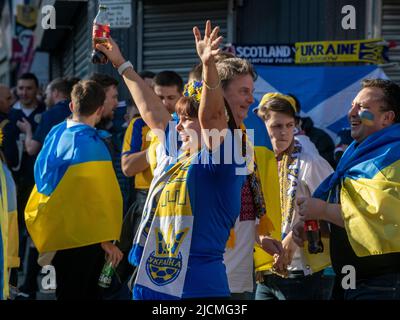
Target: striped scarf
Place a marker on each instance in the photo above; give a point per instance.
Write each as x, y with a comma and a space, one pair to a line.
289, 168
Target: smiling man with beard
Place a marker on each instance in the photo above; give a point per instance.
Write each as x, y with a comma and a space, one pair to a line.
109, 84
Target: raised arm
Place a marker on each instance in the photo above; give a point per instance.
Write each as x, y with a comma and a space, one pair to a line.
212, 108
150, 106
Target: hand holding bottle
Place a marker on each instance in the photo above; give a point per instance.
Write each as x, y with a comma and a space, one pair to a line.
113, 254
112, 52
310, 210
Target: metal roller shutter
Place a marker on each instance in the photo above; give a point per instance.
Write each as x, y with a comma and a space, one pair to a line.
68, 59
82, 49
55, 66
76, 53
167, 41
391, 32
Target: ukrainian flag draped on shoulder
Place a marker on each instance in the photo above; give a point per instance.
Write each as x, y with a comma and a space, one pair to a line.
368, 176
76, 200
8, 228
3, 236
13, 236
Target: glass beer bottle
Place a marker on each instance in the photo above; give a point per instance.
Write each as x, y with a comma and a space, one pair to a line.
106, 275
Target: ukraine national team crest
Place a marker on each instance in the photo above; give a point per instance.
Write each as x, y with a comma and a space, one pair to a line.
165, 263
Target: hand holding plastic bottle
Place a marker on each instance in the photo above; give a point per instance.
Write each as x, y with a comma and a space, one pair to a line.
112, 52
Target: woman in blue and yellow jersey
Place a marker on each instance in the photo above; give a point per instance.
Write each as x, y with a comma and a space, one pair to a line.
75, 208
260, 192
300, 172
361, 198
194, 203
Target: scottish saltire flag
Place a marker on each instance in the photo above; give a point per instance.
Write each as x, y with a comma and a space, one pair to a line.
76, 200
368, 176
325, 93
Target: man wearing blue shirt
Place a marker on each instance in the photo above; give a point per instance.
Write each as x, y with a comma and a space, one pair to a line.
29, 108
57, 101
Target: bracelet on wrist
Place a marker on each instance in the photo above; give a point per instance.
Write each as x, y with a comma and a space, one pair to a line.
209, 87
122, 68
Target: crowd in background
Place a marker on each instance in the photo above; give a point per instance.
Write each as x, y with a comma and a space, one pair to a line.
176, 229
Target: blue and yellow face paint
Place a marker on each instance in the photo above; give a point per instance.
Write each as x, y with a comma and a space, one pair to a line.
367, 117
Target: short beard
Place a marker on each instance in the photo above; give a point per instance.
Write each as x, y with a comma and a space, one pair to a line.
104, 124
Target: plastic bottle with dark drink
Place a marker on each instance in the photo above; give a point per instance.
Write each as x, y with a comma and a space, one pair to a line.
311, 228
101, 34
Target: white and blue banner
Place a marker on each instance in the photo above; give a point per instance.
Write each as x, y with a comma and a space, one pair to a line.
325, 93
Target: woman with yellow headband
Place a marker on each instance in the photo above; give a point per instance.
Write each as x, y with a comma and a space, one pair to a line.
300, 173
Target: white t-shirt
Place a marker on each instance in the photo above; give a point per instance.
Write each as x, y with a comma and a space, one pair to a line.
72, 123
27, 111
307, 144
239, 260
163, 160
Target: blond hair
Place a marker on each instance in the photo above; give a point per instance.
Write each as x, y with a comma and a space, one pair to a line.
230, 68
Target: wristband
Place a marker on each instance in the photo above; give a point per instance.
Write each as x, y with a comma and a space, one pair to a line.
124, 66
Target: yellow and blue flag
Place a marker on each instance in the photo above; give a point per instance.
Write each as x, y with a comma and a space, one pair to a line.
13, 237
76, 200
368, 176
3, 267
3, 236
8, 228
268, 172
